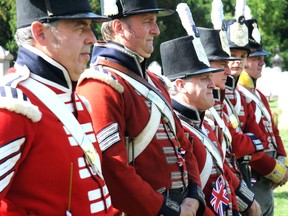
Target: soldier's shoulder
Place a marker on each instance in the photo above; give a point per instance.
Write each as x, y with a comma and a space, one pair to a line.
13, 99
101, 74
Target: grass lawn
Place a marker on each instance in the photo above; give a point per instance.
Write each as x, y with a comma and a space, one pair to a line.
281, 193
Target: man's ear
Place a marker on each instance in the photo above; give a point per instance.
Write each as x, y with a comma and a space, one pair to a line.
118, 26
37, 29
180, 85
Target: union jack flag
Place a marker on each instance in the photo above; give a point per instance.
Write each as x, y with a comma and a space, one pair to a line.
180, 157
219, 198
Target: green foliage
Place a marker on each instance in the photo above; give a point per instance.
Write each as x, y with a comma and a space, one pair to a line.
8, 25
95, 4
171, 26
271, 16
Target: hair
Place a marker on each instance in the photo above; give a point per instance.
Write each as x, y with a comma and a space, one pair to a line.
170, 85
172, 89
24, 35
107, 28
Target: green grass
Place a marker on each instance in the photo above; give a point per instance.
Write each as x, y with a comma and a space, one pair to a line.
280, 193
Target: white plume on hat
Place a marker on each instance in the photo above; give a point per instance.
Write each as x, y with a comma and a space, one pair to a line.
217, 17
186, 18
110, 7
247, 13
240, 8
239, 31
255, 32
217, 14
189, 25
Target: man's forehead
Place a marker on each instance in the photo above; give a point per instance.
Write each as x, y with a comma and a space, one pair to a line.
76, 22
220, 61
239, 51
146, 15
255, 58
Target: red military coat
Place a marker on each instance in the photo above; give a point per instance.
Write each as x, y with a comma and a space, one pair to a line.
39, 158
209, 167
120, 113
242, 144
232, 179
271, 137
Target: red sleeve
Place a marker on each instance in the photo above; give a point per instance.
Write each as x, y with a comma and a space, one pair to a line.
250, 124
280, 146
242, 145
15, 133
264, 165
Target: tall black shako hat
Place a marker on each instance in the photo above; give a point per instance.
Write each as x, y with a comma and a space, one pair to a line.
254, 39
180, 60
29, 11
215, 46
117, 9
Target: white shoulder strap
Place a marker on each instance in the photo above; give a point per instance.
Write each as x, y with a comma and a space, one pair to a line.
214, 151
238, 102
52, 101
150, 95
158, 106
206, 172
232, 115
256, 98
224, 129
138, 145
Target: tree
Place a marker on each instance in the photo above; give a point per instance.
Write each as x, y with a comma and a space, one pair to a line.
8, 25
271, 16
171, 26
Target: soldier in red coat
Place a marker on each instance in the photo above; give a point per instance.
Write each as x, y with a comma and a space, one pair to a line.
148, 163
274, 172
191, 89
241, 118
50, 160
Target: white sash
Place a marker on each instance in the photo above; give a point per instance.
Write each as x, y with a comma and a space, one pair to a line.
205, 173
158, 106
232, 114
150, 95
53, 102
237, 106
224, 129
257, 99
138, 145
214, 151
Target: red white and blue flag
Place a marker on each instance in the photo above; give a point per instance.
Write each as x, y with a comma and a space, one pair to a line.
180, 157
219, 198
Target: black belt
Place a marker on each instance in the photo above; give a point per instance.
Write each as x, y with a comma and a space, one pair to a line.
176, 195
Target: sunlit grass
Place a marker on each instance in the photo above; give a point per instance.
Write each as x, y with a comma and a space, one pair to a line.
281, 193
